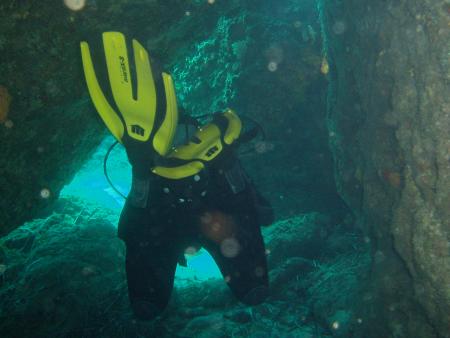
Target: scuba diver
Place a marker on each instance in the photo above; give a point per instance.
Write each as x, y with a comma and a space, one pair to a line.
190, 195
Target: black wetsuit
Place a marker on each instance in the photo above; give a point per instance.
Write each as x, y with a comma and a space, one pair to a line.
218, 209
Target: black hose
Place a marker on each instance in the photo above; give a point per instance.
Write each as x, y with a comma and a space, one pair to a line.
105, 171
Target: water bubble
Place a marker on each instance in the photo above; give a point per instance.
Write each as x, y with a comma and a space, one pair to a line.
45, 193
339, 27
75, 5
9, 124
229, 247
215, 227
196, 178
272, 66
88, 271
262, 147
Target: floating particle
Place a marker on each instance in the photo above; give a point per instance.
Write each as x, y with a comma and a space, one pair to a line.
339, 27
263, 147
40, 150
5, 101
9, 124
2, 269
297, 24
227, 279
267, 252
335, 325
259, 271
196, 178
191, 250
211, 1
272, 66
75, 5
215, 227
45, 193
393, 178
187, 13
359, 321
88, 271
229, 247
166, 190
324, 67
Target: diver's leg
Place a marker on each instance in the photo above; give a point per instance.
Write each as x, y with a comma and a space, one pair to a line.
151, 260
150, 276
237, 246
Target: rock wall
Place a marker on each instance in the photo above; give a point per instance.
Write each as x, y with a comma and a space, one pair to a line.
389, 119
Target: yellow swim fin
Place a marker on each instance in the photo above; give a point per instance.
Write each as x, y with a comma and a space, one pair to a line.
206, 145
149, 115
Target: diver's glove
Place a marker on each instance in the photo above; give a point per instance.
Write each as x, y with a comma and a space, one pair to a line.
141, 114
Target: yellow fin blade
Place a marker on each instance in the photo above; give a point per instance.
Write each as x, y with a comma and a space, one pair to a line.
138, 114
165, 134
182, 171
106, 112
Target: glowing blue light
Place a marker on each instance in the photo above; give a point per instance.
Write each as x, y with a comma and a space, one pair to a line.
200, 267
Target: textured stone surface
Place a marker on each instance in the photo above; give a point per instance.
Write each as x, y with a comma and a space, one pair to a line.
389, 119
54, 283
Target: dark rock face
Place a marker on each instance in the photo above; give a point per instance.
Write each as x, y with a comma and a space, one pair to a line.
64, 276
389, 118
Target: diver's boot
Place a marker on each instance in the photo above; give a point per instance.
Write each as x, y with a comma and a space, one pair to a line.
145, 310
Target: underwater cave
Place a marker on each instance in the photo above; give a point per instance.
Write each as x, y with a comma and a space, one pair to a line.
345, 113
